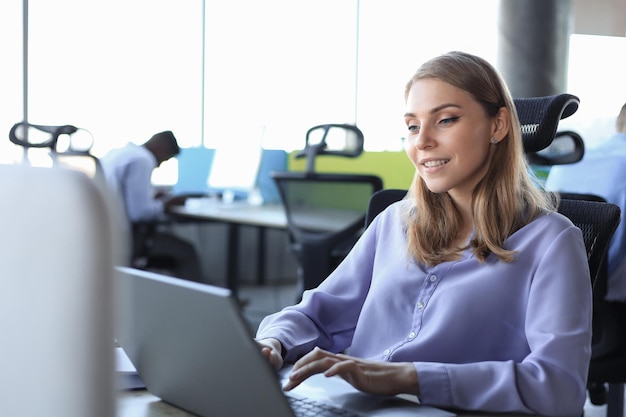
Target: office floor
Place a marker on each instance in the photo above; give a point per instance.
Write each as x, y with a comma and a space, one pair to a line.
270, 298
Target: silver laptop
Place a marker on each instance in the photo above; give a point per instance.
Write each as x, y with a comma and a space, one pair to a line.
193, 348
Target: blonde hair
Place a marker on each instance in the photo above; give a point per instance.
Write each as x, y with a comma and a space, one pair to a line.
505, 200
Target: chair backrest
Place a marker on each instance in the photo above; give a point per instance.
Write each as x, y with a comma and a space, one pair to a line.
597, 220
340, 199
323, 211
381, 200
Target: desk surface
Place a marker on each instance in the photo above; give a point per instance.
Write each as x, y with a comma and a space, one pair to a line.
272, 216
143, 404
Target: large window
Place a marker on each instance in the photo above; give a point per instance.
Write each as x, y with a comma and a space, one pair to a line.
121, 69
395, 37
11, 104
251, 72
596, 76
275, 68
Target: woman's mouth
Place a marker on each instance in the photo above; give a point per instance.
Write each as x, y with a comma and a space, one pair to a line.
436, 163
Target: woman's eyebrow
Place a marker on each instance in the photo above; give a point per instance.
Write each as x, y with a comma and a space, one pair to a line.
435, 109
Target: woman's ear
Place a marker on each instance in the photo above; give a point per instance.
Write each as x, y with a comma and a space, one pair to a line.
502, 123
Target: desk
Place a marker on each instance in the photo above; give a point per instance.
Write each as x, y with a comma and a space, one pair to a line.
266, 216
237, 214
143, 404
272, 216
234, 215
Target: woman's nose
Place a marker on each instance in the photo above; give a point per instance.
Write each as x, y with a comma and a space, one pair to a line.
423, 139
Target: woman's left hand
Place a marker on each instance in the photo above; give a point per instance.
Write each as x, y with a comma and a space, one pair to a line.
374, 377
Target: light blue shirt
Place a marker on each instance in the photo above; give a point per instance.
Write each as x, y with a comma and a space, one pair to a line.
494, 337
128, 173
602, 172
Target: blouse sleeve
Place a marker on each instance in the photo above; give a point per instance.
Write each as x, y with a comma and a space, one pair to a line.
326, 316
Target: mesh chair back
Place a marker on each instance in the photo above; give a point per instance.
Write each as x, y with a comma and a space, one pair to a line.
326, 204
325, 215
597, 221
539, 118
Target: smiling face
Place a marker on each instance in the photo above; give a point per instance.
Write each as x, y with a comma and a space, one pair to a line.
450, 137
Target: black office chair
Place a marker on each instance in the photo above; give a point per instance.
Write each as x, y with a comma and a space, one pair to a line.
607, 369
608, 363
325, 211
607, 327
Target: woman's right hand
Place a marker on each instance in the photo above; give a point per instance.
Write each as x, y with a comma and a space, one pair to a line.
272, 349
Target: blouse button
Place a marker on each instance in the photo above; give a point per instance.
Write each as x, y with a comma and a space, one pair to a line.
420, 305
386, 352
411, 335
433, 278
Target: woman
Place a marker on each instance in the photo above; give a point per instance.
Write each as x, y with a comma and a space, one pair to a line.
472, 293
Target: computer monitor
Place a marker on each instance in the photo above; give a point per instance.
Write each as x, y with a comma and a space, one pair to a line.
235, 170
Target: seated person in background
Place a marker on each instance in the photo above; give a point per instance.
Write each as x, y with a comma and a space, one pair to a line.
602, 172
472, 293
128, 172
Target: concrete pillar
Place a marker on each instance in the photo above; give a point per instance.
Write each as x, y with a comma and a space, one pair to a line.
533, 45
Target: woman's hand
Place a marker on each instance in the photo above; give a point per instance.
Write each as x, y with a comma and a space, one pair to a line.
374, 377
272, 349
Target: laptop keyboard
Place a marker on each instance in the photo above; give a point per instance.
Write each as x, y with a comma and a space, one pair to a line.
307, 407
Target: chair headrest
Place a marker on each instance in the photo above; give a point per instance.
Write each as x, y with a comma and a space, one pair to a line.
331, 139
31, 135
540, 116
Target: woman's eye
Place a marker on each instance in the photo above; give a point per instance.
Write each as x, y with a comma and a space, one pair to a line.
449, 120
413, 128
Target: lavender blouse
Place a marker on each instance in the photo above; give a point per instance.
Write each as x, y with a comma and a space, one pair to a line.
493, 337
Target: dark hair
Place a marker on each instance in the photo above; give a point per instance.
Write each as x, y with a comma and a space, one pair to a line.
166, 141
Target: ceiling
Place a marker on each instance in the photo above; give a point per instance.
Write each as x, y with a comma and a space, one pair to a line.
600, 17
